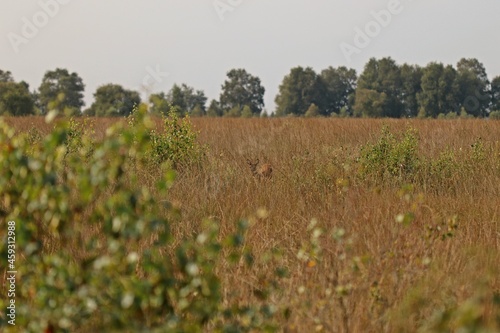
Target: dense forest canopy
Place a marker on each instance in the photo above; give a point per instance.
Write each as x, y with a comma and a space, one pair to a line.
383, 89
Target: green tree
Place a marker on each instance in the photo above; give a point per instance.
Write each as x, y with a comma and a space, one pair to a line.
411, 79
340, 86
439, 90
369, 103
35, 96
495, 94
196, 99
474, 87
176, 97
62, 91
214, 110
159, 104
383, 77
113, 100
240, 89
6, 76
15, 99
186, 99
298, 90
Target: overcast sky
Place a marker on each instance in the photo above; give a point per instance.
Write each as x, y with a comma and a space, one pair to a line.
136, 43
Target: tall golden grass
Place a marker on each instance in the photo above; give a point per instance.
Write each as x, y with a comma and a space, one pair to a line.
358, 269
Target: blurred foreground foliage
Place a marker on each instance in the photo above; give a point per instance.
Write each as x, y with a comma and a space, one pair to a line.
94, 249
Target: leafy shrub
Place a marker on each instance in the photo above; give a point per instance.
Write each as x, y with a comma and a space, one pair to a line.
78, 133
177, 144
495, 115
478, 152
34, 138
34, 135
464, 114
451, 115
246, 112
93, 250
442, 171
390, 156
312, 111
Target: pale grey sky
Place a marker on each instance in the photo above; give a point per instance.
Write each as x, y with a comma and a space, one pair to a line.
130, 42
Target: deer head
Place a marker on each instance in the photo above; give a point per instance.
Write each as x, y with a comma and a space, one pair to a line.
263, 171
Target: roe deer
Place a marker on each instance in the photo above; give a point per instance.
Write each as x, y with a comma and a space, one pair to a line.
262, 172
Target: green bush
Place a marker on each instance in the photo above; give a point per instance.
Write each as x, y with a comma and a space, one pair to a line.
495, 115
451, 115
80, 135
442, 171
390, 157
93, 250
478, 153
177, 143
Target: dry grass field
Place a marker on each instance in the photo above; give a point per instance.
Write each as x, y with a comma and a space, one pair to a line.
415, 248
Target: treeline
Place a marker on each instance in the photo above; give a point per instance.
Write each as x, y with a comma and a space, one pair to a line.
384, 89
